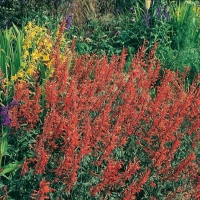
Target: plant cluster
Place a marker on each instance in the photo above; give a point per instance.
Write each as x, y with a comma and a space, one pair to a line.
20, 11
101, 133
174, 26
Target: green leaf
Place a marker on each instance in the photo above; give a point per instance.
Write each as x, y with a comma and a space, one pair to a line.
10, 168
4, 146
1, 185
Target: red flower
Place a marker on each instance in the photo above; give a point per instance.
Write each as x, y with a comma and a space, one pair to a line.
44, 189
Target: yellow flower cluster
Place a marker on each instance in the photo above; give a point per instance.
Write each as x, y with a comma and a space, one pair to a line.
37, 46
37, 50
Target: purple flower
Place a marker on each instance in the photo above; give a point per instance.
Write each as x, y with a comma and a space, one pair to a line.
73, 5
117, 10
159, 12
4, 117
147, 18
68, 22
12, 104
162, 13
118, 33
165, 9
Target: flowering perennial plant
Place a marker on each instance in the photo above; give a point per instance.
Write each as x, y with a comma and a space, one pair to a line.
110, 134
5, 119
43, 191
29, 108
38, 46
162, 13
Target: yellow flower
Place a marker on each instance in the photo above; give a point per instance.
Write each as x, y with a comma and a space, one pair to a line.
25, 54
20, 74
6, 82
50, 64
32, 34
49, 45
52, 71
35, 55
14, 78
37, 49
45, 40
30, 70
45, 57
27, 43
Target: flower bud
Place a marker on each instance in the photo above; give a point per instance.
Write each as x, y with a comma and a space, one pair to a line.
147, 4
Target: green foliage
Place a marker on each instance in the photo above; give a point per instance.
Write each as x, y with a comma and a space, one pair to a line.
11, 51
10, 60
18, 187
184, 36
11, 12
22, 11
111, 32
177, 36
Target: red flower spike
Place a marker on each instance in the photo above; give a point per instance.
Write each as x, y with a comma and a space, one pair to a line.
44, 189
93, 108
